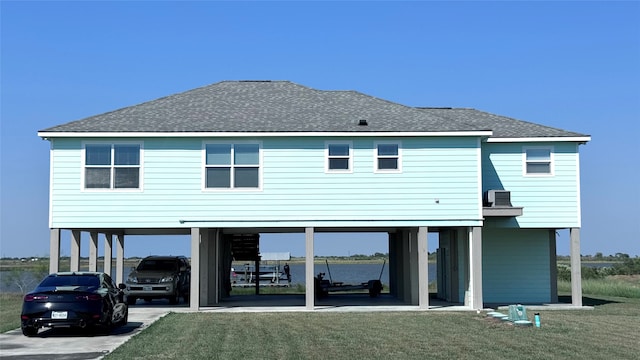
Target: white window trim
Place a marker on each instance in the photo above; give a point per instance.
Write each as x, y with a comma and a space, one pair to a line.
326, 157
525, 162
232, 189
83, 155
376, 157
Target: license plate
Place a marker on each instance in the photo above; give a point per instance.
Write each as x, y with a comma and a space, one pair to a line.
58, 314
147, 288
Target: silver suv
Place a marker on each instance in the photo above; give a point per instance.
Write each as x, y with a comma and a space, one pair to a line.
159, 277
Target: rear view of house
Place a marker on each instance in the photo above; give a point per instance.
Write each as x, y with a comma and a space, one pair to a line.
229, 161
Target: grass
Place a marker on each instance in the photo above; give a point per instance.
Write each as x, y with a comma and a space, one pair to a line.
627, 286
609, 331
10, 308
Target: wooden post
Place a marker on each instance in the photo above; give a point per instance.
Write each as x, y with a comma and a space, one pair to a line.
108, 253
309, 269
475, 260
423, 269
75, 250
194, 297
54, 251
120, 258
93, 251
576, 267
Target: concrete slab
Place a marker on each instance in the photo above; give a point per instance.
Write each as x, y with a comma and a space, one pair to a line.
69, 344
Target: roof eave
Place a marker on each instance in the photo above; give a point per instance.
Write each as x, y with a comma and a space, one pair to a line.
61, 134
579, 139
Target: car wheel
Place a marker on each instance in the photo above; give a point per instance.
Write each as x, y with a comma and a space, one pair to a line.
121, 314
29, 331
131, 300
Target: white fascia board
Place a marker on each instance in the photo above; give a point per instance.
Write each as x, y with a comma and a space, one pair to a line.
46, 135
582, 139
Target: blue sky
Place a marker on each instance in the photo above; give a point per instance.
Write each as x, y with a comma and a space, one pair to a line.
571, 65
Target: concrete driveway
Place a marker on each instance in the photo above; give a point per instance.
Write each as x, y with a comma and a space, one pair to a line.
71, 344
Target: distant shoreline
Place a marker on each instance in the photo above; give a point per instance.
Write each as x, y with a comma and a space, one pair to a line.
17, 264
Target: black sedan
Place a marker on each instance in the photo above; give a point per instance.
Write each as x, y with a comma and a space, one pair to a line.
74, 299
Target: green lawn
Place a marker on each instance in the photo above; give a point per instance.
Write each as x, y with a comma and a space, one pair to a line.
10, 308
610, 331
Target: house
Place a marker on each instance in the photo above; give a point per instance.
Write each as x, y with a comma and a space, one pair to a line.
234, 159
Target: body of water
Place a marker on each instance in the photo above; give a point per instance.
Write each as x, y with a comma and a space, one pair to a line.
349, 273
346, 273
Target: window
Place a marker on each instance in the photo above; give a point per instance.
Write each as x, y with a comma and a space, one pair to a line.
387, 157
538, 161
112, 166
338, 157
232, 166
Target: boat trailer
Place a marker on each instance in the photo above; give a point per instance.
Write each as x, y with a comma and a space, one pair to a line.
323, 286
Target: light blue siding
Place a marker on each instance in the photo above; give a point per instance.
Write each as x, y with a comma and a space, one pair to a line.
438, 185
515, 266
548, 201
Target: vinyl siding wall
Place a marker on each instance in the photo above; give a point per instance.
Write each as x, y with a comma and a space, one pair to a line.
548, 201
438, 185
515, 266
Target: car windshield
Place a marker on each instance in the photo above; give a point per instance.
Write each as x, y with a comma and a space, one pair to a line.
158, 265
71, 280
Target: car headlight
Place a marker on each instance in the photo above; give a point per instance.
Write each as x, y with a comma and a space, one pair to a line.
167, 279
132, 280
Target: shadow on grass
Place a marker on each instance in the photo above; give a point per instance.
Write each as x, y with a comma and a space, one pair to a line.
586, 301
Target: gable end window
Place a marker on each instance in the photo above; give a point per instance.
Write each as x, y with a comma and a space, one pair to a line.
339, 158
232, 166
538, 161
112, 166
387, 157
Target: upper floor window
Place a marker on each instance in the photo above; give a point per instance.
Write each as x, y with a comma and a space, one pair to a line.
112, 166
387, 157
232, 166
538, 161
338, 157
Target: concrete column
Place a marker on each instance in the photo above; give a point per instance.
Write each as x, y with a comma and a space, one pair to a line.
423, 268
576, 267
393, 264
401, 260
195, 269
54, 251
204, 265
93, 251
465, 266
75, 250
120, 259
553, 267
108, 253
454, 293
414, 267
214, 265
309, 269
475, 267
406, 265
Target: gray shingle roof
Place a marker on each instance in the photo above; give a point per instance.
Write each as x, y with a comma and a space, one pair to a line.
502, 126
283, 106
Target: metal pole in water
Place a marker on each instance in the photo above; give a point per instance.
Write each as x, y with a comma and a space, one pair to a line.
328, 270
382, 270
